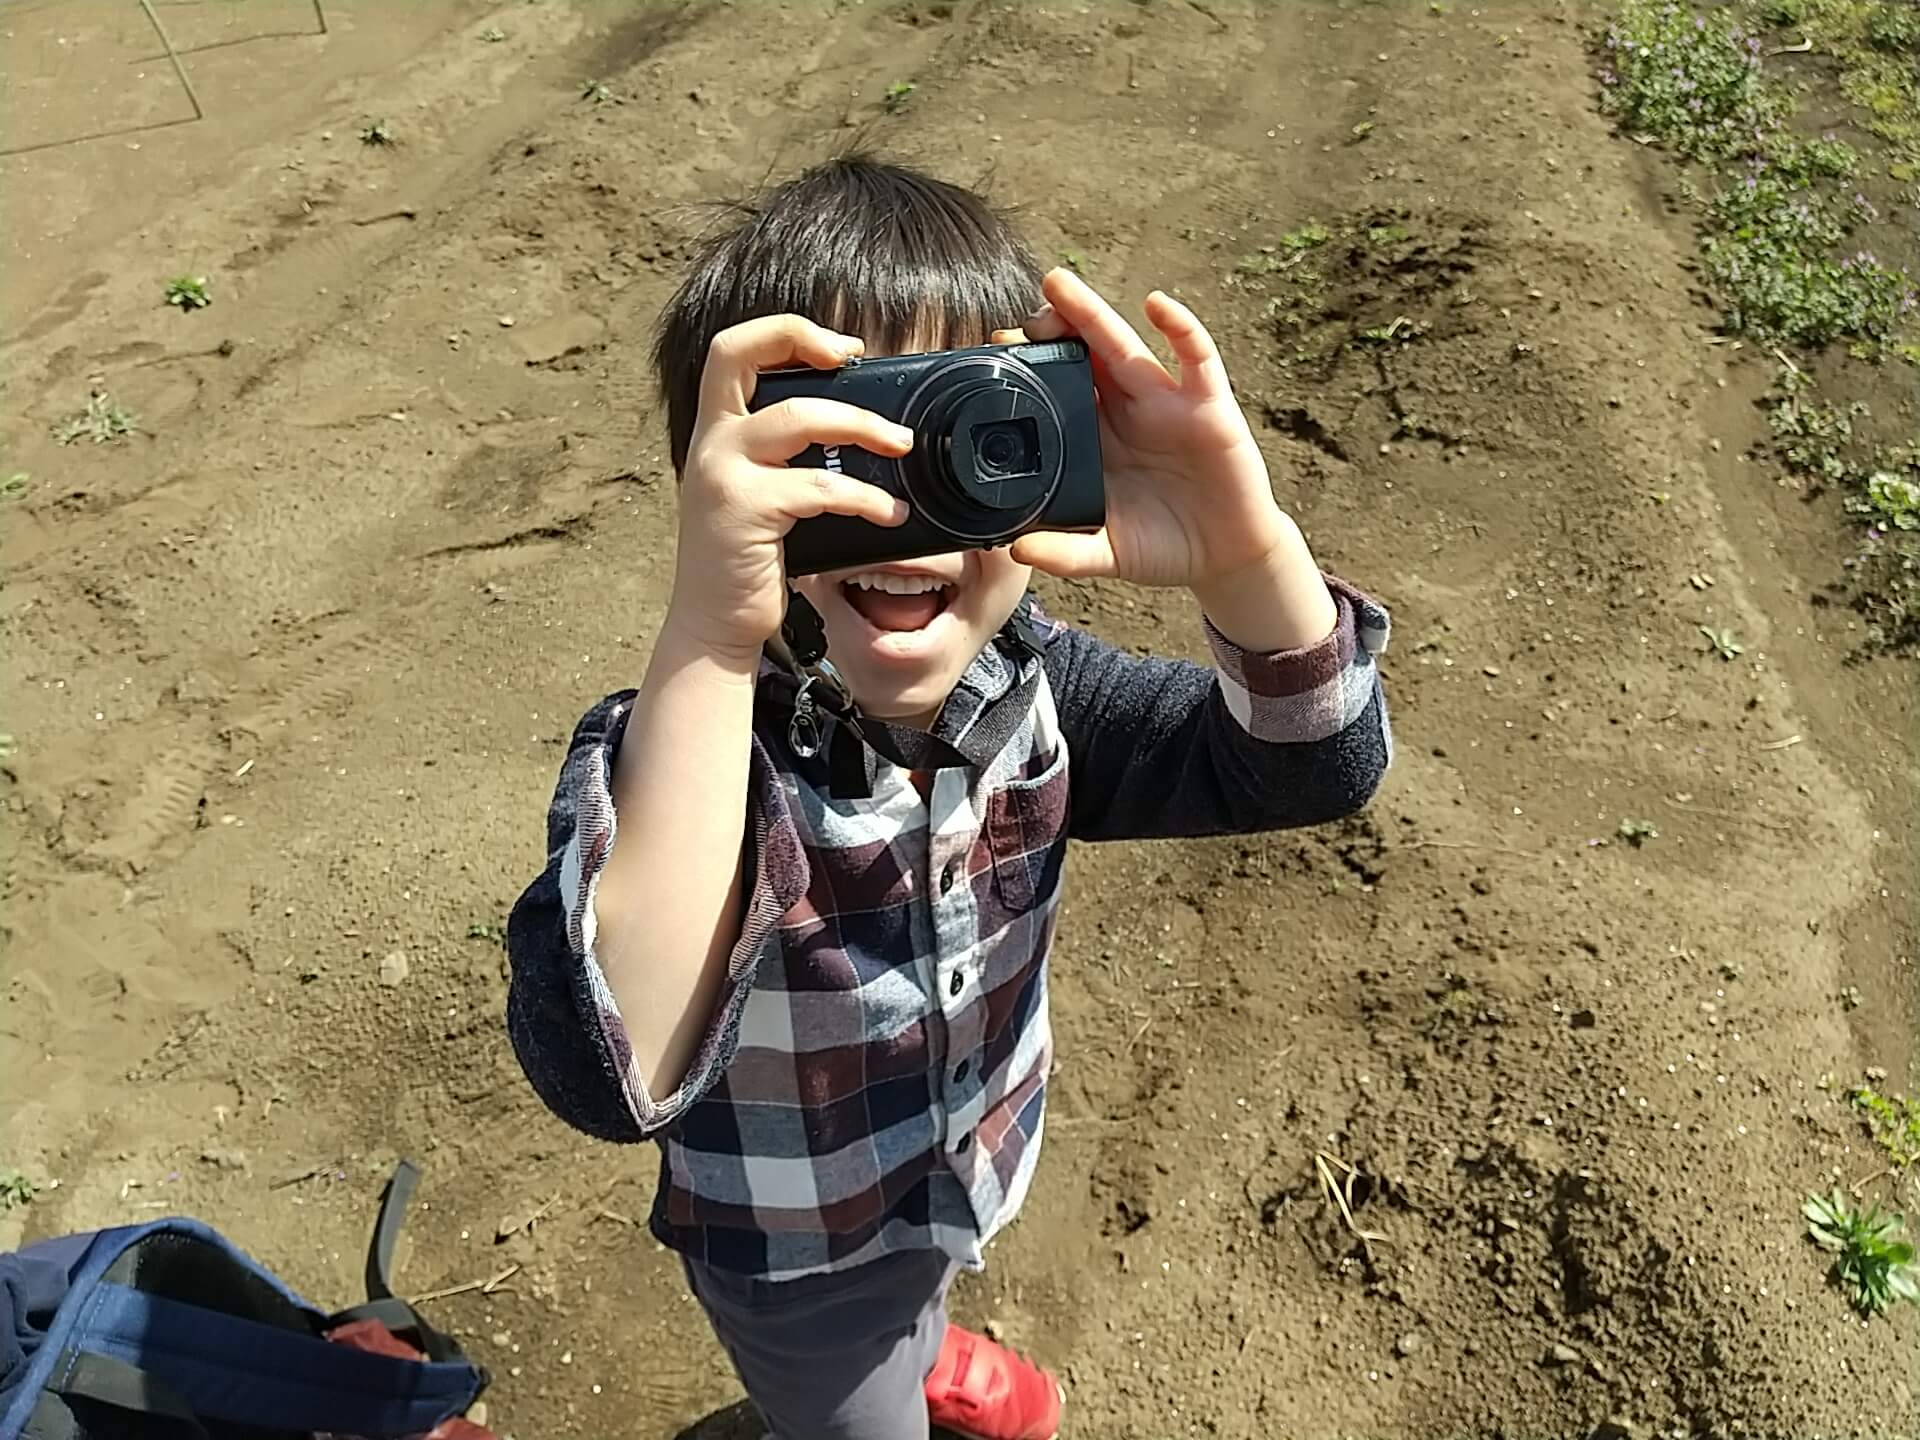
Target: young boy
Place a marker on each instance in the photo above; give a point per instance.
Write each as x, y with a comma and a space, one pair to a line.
827, 996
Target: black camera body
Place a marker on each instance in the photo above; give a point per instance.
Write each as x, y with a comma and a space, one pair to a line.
1006, 440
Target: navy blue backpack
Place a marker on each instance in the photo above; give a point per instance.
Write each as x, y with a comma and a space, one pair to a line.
168, 1330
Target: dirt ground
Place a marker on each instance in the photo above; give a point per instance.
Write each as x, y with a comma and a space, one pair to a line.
289, 672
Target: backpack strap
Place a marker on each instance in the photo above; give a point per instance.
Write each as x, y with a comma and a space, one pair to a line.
111, 1381
381, 1303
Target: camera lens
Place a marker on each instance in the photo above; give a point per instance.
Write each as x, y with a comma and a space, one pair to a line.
1007, 447
991, 453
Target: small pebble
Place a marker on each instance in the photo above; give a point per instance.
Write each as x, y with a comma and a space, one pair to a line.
1406, 1345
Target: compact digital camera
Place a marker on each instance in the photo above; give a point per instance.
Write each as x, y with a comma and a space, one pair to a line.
1006, 440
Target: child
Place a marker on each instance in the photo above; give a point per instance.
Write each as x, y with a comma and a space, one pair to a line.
825, 992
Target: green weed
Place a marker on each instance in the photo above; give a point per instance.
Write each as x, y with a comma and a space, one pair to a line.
1690, 80
481, 930
376, 132
16, 1190
1306, 236
1399, 330
493, 34
1873, 1261
189, 292
1813, 437
596, 92
1894, 1121
104, 419
1637, 832
1074, 261
1873, 45
897, 95
15, 485
1724, 642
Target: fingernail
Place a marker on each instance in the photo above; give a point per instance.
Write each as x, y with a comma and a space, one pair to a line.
1040, 314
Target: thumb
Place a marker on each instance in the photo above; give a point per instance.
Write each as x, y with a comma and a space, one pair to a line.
1070, 557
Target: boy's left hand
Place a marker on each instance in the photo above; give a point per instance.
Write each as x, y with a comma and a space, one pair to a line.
1188, 498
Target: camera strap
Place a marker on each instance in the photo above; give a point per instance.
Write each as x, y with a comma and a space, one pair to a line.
801, 651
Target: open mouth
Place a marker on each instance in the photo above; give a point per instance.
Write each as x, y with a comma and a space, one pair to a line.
893, 602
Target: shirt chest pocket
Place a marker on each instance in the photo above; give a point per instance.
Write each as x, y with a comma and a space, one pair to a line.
1026, 836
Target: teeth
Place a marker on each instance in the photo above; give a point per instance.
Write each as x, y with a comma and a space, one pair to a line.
896, 584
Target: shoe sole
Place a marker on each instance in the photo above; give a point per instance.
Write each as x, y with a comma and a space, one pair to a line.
1058, 1389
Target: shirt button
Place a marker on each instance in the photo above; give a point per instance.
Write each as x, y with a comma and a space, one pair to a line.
964, 1144
957, 984
960, 1072
946, 877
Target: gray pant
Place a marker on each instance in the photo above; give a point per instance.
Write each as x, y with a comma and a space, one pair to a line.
834, 1357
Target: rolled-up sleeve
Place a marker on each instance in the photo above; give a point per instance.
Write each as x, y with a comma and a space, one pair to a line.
565, 1025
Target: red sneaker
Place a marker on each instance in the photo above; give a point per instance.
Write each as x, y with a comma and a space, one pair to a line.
983, 1391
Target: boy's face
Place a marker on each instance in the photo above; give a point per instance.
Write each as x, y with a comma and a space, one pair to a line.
903, 634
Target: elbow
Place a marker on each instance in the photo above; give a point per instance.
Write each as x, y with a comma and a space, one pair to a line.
565, 1075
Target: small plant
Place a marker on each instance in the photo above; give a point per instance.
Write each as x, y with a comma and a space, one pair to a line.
1813, 436
493, 35
596, 92
15, 485
189, 292
1074, 261
1873, 1262
1399, 330
1894, 1122
1637, 832
1888, 500
376, 132
103, 420
481, 930
1724, 642
16, 1190
1306, 236
898, 93
1386, 234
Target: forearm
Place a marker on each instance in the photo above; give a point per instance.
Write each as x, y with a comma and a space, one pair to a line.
668, 904
1278, 603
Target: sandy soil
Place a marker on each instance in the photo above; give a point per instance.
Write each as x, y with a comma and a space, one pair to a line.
289, 672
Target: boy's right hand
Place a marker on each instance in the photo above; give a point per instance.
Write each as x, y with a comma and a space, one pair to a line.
739, 497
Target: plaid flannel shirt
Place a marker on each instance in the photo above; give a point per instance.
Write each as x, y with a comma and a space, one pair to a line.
874, 1076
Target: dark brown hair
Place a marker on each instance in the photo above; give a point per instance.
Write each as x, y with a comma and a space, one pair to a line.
869, 248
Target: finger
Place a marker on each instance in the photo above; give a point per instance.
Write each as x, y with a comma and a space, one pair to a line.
1070, 557
1008, 337
1202, 371
740, 352
782, 431
1046, 324
1134, 367
803, 494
